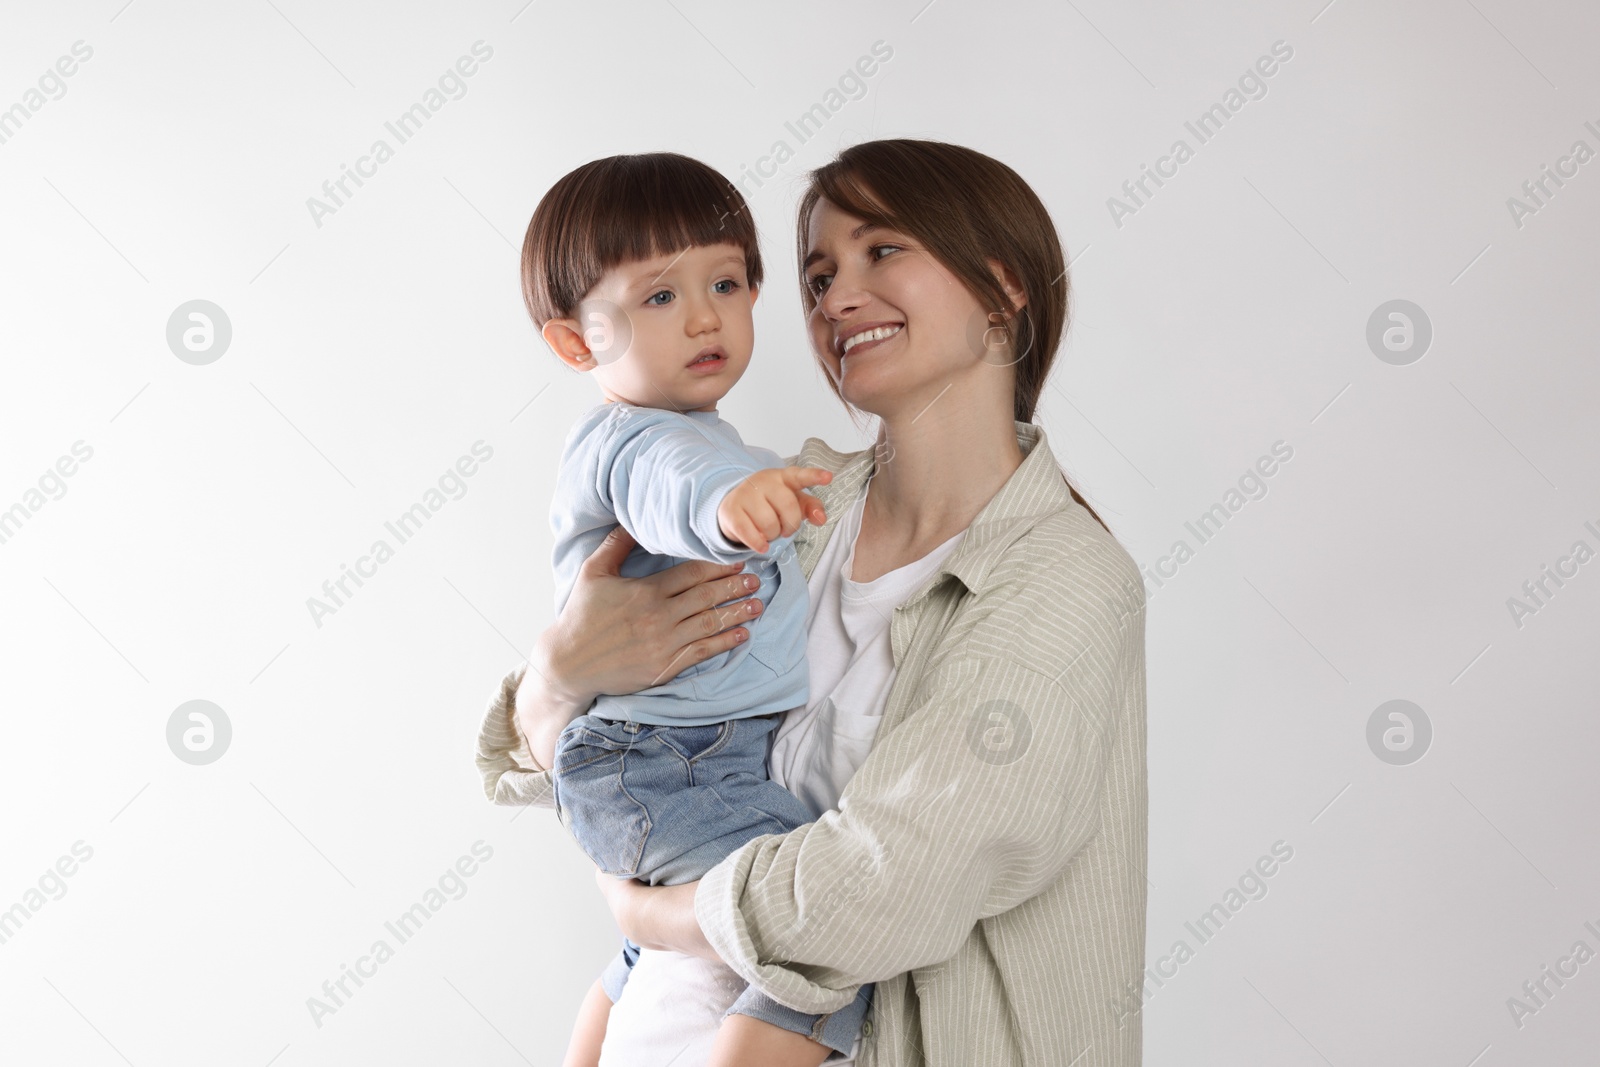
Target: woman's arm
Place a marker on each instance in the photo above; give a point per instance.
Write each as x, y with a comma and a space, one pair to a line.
656, 917
542, 708
615, 635
976, 801
510, 773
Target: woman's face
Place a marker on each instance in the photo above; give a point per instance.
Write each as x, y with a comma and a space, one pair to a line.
913, 330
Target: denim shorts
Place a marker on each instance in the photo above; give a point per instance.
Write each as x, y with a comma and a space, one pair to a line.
665, 804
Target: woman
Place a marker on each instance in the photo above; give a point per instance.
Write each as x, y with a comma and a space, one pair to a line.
975, 739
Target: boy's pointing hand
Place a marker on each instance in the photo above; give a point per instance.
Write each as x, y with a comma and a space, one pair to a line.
771, 504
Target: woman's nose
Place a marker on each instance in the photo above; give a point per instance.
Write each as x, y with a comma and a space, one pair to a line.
840, 299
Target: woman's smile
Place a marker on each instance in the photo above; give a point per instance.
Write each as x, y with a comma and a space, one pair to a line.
861, 340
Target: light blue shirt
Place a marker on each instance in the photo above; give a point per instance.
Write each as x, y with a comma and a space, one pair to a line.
662, 475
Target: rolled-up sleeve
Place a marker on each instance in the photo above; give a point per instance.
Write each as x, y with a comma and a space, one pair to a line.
976, 801
510, 773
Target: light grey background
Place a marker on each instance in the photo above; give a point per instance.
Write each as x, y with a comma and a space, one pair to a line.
371, 351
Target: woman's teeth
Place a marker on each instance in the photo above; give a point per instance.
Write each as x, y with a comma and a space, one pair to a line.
877, 334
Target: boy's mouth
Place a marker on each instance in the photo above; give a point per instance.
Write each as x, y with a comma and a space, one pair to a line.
710, 359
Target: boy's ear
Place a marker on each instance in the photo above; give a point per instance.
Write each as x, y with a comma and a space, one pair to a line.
566, 340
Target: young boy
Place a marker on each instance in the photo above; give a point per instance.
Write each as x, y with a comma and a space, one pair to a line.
641, 271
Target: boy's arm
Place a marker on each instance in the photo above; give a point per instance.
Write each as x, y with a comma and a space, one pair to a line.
770, 505
664, 478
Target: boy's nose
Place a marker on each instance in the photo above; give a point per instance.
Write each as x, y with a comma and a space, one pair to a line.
704, 317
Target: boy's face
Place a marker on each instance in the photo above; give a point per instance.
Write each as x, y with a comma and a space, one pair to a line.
645, 327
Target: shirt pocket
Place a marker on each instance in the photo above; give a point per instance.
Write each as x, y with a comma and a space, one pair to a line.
856, 716
781, 591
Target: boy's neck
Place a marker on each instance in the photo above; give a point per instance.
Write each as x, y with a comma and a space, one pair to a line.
712, 408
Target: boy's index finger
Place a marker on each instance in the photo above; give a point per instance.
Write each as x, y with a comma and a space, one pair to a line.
805, 477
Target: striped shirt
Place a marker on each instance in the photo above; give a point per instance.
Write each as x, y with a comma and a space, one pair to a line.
985, 864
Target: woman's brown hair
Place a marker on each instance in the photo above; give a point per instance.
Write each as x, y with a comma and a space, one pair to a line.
967, 208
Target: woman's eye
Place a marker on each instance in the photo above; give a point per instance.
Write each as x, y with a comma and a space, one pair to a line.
818, 282
651, 299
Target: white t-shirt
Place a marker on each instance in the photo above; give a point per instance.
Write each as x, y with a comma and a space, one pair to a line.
814, 752
817, 749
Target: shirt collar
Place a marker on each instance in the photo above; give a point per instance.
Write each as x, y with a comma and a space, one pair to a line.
1036, 489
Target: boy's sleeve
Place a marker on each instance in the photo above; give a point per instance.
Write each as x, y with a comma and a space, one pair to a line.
664, 478
510, 773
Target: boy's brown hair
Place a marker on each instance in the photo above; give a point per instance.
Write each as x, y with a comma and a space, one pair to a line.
622, 209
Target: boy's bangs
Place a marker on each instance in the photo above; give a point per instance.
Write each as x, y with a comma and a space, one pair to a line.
646, 222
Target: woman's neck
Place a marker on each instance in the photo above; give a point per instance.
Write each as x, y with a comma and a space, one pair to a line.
932, 477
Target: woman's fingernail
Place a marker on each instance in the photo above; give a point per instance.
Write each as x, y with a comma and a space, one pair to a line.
751, 581
739, 635
755, 607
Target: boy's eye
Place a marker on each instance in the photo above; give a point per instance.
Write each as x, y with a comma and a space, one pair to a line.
731, 286
651, 299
